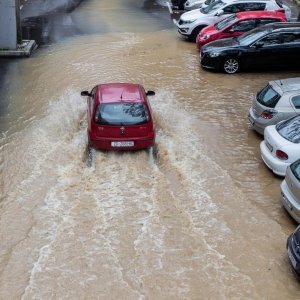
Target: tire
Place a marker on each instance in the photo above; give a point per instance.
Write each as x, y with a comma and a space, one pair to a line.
195, 33
231, 65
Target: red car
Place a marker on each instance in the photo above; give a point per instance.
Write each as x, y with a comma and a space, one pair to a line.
237, 24
119, 117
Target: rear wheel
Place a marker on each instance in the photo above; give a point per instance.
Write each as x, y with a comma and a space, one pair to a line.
231, 65
195, 33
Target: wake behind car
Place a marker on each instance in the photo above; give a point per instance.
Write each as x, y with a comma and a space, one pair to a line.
278, 100
119, 117
192, 22
237, 24
272, 45
281, 145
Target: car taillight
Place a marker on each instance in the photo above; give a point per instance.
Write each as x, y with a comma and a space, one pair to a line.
281, 155
268, 114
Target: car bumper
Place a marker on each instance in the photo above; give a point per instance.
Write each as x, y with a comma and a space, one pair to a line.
293, 256
106, 144
289, 202
273, 163
208, 62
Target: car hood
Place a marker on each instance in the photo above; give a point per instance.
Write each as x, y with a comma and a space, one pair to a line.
220, 44
191, 15
211, 30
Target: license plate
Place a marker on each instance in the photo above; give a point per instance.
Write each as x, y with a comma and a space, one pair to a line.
122, 144
292, 258
269, 146
251, 120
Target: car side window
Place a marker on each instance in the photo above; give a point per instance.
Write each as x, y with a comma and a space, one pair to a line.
255, 6
290, 37
233, 8
272, 39
244, 25
296, 101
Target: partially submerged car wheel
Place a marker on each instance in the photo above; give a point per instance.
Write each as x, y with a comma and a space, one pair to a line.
231, 65
194, 34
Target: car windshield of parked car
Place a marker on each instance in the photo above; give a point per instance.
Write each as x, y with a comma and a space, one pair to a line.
121, 114
226, 22
295, 168
212, 7
290, 129
268, 96
250, 36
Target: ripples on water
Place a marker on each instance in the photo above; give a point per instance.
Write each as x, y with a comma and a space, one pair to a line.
182, 224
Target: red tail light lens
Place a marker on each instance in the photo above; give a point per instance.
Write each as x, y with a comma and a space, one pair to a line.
268, 114
281, 155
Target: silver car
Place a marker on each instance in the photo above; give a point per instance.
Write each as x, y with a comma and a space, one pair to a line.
194, 4
290, 190
277, 101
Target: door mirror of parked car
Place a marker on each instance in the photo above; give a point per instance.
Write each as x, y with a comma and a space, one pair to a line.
85, 93
150, 93
219, 12
258, 44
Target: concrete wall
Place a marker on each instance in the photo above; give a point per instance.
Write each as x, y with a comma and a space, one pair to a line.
8, 24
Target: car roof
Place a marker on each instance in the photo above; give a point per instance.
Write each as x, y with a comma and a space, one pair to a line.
251, 1
120, 92
288, 84
281, 25
260, 14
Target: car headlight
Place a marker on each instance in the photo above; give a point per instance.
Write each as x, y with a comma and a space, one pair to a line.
205, 37
189, 21
214, 54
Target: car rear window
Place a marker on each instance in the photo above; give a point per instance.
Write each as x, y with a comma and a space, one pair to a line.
268, 96
295, 168
290, 129
117, 114
279, 3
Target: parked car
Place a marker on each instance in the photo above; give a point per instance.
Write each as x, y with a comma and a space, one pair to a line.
271, 45
194, 4
192, 22
119, 117
281, 145
278, 100
178, 4
290, 190
293, 250
237, 24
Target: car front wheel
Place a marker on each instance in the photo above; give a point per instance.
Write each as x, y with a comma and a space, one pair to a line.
231, 65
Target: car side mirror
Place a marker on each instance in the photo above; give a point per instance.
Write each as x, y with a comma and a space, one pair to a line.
259, 45
150, 93
85, 93
219, 12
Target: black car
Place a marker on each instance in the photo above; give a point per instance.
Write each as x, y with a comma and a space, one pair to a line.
178, 4
293, 249
271, 45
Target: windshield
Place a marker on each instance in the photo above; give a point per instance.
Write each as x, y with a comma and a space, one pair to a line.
290, 129
250, 36
226, 22
212, 7
121, 114
268, 97
295, 168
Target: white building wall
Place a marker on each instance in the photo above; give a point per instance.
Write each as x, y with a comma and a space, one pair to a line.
8, 24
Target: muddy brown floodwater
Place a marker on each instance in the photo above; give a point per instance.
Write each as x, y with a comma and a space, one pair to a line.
202, 219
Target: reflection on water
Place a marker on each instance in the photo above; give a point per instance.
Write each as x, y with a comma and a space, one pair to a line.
201, 219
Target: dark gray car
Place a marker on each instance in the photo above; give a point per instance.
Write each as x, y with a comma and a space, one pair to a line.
290, 190
278, 100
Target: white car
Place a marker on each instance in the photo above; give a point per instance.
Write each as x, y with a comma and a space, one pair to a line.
193, 4
281, 145
192, 22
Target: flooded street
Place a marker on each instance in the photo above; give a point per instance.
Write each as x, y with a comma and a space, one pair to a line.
201, 219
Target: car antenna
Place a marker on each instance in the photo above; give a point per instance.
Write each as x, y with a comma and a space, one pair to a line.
280, 81
122, 94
